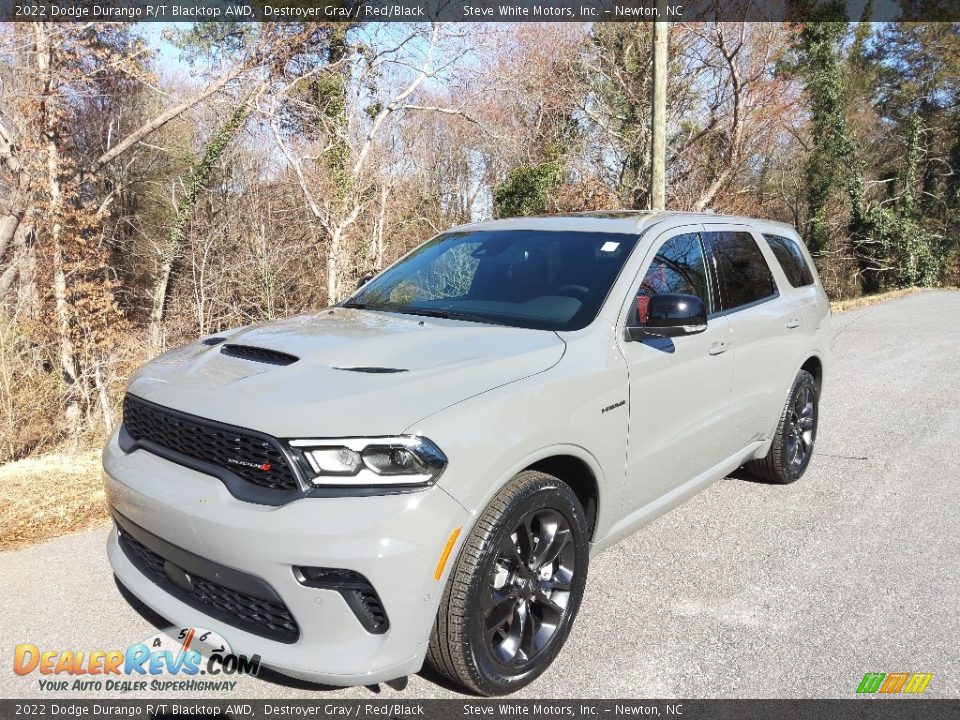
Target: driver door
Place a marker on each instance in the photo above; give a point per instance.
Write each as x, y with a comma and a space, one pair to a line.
680, 388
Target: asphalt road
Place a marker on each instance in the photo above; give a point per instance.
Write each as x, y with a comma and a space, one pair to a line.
747, 590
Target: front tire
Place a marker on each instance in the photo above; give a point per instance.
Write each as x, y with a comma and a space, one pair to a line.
792, 446
515, 589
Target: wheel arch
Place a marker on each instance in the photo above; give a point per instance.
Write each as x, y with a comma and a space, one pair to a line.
572, 464
814, 365
576, 473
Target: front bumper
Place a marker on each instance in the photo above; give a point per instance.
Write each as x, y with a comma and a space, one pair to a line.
395, 541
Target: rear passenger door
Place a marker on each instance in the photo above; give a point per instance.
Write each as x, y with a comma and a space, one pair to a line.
763, 348
797, 281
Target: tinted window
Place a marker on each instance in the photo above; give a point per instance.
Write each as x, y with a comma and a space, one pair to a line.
744, 274
678, 267
791, 259
527, 278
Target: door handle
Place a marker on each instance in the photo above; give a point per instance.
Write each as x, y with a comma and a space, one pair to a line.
793, 323
721, 346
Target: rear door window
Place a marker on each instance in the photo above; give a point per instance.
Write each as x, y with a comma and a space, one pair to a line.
745, 277
791, 259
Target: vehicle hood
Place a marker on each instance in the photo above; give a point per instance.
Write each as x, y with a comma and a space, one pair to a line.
442, 363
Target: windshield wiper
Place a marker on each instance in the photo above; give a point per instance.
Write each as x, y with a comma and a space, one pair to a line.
426, 312
445, 314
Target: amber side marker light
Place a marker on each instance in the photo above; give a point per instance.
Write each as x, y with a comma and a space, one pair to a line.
446, 553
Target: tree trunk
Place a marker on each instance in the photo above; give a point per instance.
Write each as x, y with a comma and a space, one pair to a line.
105, 409
199, 177
715, 186
22, 265
376, 251
159, 305
7, 277
333, 264
48, 111
9, 222
28, 291
17, 208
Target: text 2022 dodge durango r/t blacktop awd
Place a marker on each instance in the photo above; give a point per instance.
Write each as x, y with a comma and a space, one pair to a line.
423, 471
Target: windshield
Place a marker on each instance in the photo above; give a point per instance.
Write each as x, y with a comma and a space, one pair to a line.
525, 278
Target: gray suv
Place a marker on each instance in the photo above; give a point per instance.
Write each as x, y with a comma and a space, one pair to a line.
423, 472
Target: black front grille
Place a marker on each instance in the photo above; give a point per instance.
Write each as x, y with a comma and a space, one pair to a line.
258, 354
257, 616
255, 459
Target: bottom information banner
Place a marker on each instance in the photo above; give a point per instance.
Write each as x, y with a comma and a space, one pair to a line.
886, 709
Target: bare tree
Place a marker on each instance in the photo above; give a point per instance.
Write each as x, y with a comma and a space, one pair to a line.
334, 170
743, 101
56, 201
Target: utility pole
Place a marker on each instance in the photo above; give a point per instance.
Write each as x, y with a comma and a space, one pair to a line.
658, 123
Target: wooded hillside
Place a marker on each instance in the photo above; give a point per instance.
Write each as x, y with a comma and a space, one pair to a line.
156, 186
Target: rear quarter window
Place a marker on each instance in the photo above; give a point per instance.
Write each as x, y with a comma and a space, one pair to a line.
791, 259
745, 277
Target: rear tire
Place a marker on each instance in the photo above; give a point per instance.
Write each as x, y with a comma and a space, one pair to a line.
796, 434
515, 589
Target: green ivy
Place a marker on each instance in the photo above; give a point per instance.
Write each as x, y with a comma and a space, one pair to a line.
890, 243
820, 69
527, 190
200, 175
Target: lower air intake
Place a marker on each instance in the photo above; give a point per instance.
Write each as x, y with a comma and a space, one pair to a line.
354, 588
259, 616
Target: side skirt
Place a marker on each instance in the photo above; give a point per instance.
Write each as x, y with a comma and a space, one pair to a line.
665, 503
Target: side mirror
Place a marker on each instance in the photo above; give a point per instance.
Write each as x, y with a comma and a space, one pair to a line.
668, 315
364, 279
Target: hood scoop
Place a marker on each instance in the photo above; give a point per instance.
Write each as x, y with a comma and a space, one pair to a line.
258, 354
374, 370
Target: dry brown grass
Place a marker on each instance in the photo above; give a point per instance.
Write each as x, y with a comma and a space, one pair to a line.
49, 496
839, 306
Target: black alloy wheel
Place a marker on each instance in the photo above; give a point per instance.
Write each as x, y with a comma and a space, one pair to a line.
529, 587
801, 428
515, 588
796, 433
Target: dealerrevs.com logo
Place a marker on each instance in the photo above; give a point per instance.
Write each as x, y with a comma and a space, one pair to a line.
183, 653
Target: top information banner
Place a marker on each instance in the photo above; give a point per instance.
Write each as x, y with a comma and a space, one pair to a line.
477, 10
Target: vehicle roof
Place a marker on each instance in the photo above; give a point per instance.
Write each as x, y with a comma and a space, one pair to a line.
618, 221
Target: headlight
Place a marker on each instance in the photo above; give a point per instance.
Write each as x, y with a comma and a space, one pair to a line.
402, 460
